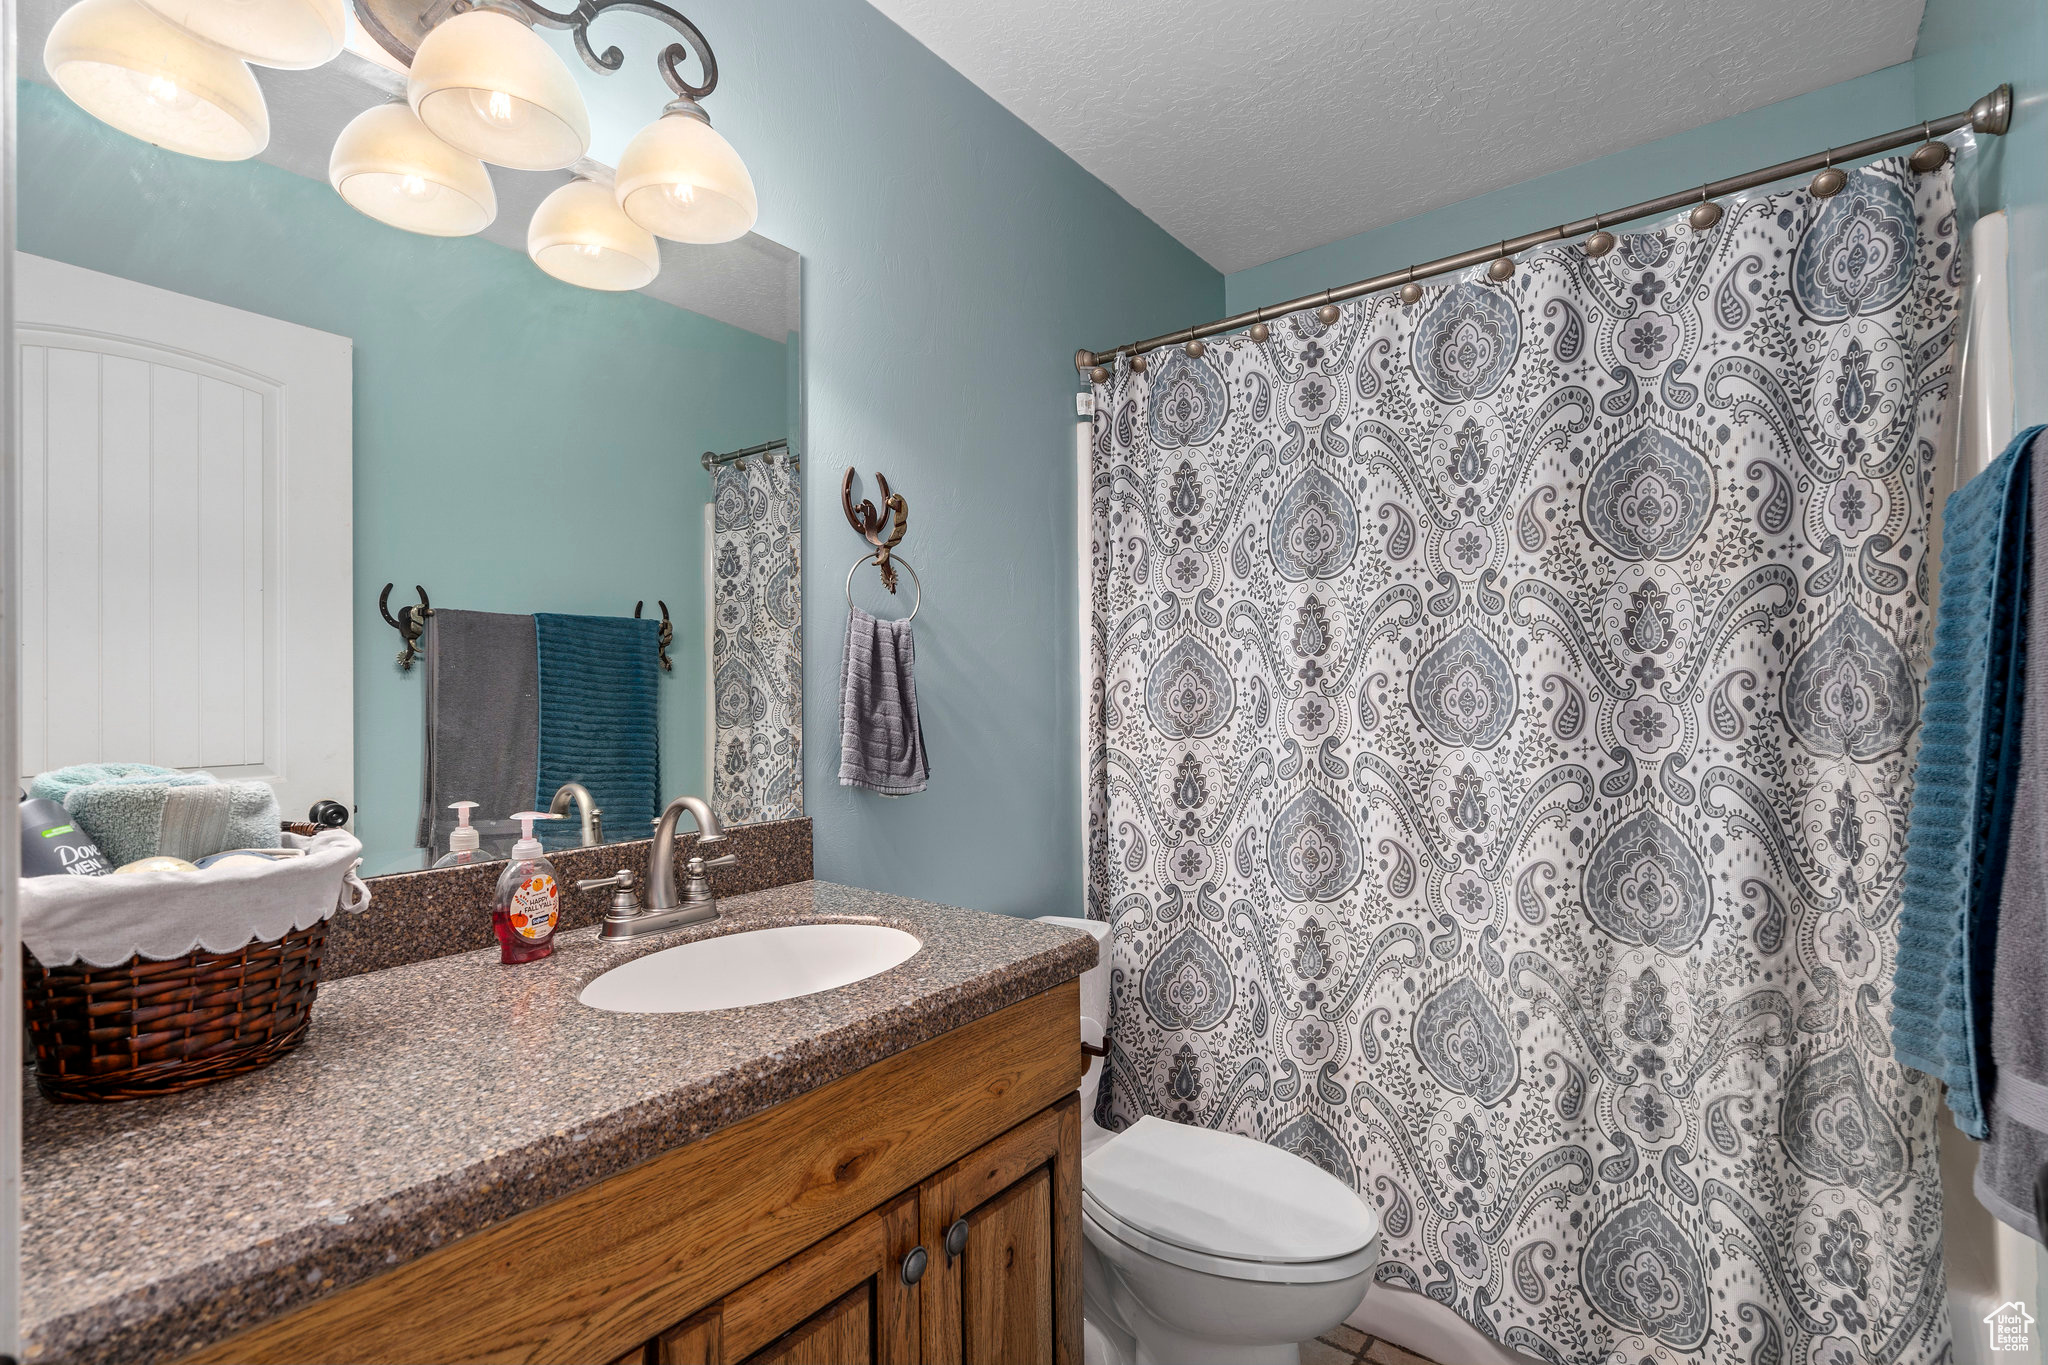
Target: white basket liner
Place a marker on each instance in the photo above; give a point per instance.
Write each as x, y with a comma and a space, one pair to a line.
160, 915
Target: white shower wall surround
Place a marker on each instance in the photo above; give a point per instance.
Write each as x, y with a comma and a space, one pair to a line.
1501, 757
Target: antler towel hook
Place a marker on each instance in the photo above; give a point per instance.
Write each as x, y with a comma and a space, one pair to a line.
870, 524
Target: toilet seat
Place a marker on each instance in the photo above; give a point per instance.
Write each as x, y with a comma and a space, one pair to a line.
1226, 1205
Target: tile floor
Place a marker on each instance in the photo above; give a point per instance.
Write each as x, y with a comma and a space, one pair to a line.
1349, 1346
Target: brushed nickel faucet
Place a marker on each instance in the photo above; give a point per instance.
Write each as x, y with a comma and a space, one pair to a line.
586, 809
664, 911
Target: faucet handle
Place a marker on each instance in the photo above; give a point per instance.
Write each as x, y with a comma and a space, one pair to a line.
729, 860
623, 879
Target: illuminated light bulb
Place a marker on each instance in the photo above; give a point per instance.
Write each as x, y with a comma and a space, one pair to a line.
489, 86
387, 164
579, 236
166, 92
680, 179
129, 67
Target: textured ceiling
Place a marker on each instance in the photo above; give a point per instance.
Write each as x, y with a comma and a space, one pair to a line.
751, 283
1251, 132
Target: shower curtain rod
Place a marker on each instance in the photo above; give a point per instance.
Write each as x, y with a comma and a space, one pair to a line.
1991, 114
712, 459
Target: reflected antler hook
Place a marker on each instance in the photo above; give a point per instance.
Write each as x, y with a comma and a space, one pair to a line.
667, 635
410, 623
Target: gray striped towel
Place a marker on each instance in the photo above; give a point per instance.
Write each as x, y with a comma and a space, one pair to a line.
881, 742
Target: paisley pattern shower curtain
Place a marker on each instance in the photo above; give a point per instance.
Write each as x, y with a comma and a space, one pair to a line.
757, 690
1502, 732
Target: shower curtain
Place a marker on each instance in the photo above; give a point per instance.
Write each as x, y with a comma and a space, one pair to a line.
1502, 730
756, 641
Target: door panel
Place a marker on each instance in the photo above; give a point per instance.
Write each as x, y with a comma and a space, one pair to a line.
842, 1300
841, 1335
1013, 1291
1006, 1276
185, 550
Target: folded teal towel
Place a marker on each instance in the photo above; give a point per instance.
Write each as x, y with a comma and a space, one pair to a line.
1962, 788
599, 714
55, 786
134, 811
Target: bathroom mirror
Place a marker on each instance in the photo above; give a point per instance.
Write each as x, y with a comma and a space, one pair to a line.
248, 407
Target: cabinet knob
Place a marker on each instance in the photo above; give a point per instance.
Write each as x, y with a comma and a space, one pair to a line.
956, 1239
914, 1264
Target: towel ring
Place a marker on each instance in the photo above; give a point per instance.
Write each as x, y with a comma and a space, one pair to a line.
893, 559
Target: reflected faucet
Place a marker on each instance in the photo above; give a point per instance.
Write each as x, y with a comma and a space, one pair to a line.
586, 808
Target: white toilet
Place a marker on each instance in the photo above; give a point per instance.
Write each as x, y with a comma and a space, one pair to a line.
1205, 1246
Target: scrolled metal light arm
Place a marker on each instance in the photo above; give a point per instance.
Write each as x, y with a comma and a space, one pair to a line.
399, 27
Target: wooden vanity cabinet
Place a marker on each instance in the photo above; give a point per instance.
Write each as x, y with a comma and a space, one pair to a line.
924, 1208
988, 1289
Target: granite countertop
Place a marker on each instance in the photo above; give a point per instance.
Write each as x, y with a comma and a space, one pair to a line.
435, 1099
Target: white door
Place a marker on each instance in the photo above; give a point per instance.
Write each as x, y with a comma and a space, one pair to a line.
186, 565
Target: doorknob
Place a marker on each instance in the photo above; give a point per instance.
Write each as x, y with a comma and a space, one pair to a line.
956, 1239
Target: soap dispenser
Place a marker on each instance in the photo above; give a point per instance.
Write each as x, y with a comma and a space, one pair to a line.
529, 898
463, 840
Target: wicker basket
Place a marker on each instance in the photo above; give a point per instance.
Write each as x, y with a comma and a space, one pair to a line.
154, 1028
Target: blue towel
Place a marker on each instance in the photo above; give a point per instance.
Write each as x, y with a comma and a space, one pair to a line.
599, 720
1963, 787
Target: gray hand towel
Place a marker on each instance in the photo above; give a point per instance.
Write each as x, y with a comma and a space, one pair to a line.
483, 718
881, 742
2014, 1154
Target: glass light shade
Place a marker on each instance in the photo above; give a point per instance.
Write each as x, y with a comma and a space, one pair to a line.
487, 85
128, 66
388, 164
679, 179
579, 236
293, 34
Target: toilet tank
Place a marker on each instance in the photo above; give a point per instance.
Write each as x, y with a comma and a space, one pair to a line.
1094, 1003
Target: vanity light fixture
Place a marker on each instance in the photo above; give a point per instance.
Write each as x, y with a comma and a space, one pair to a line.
579, 236
680, 179
290, 34
130, 67
488, 85
389, 165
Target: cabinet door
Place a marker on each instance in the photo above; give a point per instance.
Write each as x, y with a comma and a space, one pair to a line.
1003, 1229
842, 1302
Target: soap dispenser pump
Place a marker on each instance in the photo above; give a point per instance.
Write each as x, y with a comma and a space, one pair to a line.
463, 840
529, 899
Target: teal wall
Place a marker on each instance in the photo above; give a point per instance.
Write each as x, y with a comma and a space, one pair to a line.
1966, 47
485, 392
1791, 128
953, 261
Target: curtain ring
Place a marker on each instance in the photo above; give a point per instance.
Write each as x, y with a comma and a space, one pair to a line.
1411, 292
1601, 242
1502, 267
1830, 182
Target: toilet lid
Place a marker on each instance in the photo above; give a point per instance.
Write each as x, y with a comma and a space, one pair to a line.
1226, 1195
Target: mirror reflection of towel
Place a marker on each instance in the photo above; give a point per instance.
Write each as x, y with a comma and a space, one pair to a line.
600, 721
483, 718
881, 740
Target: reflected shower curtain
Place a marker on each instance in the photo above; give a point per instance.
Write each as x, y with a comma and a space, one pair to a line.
1502, 735
757, 640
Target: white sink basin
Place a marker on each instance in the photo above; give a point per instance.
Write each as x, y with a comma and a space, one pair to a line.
751, 968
